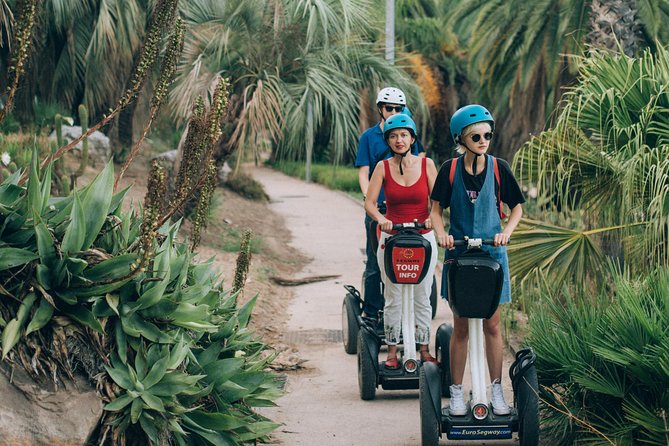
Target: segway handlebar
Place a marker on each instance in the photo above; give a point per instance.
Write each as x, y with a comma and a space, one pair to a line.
474, 242
411, 225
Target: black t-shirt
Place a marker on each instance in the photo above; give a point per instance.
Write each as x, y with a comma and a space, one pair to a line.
508, 189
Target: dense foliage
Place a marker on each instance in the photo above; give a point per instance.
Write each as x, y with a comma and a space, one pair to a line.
604, 363
85, 284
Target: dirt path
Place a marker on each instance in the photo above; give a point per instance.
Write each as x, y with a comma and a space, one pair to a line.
322, 405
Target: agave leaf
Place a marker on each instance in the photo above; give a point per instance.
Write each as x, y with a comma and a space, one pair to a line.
83, 315
34, 188
136, 410
257, 429
135, 325
149, 427
12, 331
114, 268
41, 318
156, 373
178, 354
217, 421
174, 383
153, 402
121, 341
46, 187
13, 257
97, 198
222, 370
215, 438
45, 245
75, 234
230, 391
119, 373
119, 403
153, 292
245, 312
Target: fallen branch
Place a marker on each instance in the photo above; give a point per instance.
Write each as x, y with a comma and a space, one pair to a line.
296, 282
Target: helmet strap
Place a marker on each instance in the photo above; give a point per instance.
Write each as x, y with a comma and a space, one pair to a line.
476, 156
402, 156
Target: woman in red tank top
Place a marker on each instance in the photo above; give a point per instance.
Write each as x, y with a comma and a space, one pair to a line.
407, 182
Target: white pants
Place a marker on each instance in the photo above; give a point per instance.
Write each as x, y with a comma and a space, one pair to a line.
392, 311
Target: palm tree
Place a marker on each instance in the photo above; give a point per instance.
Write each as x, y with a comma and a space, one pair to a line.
296, 68
606, 165
522, 49
90, 48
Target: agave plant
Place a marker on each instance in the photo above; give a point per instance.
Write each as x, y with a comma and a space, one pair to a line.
172, 357
603, 363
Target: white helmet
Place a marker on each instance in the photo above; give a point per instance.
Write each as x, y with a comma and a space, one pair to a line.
391, 95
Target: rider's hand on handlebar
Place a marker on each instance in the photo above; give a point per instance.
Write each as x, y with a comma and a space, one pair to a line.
446, 241
501, 239
386, 225
428, 224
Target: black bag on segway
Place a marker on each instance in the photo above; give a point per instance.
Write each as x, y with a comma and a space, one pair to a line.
475, 282
407, 256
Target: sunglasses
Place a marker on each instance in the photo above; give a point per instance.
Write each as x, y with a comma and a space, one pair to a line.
397, 108
477, 137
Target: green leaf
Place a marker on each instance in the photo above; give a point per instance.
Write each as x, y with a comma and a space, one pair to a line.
73, 240
34, 187
135, 325
120, 376
12, 331
156, 373
45, 245
136, 410
96, 201
173, 383
82, 315
13, 257
119, 403
245, 312
115, 268
153, 402
217, 421
41, 318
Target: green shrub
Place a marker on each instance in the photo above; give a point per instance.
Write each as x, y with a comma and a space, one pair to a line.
343, 178
603, 364
244, 185
174, 360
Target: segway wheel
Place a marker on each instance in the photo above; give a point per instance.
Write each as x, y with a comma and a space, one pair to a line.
429, 424
349, 323
442, 347
434, 298
366, 371
528, 408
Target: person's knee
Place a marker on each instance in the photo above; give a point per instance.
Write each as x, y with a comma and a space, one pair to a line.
492, 328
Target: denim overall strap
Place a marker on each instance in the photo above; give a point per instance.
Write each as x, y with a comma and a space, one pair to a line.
476, 220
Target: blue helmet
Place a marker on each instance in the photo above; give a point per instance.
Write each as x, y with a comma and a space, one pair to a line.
468, 115
399, 121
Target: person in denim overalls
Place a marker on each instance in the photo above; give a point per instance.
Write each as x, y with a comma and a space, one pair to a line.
474, 197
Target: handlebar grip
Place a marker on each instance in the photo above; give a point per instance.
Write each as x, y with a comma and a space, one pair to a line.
413, 225
476, 241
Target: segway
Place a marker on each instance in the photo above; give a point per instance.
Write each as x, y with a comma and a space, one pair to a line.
474, 287
406, 260
351, 313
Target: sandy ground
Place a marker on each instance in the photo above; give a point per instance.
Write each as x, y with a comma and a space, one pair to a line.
322, 404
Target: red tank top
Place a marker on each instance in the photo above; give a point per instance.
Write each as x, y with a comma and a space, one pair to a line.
406, 203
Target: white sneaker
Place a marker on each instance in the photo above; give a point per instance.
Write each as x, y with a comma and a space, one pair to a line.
499, 406
457, 407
